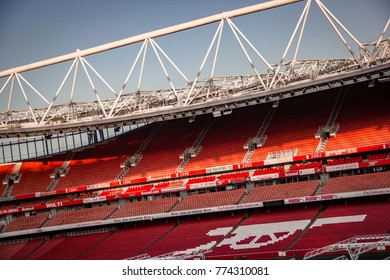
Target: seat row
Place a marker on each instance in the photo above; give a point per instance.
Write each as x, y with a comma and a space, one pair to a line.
290, 127
265, 233
370, 181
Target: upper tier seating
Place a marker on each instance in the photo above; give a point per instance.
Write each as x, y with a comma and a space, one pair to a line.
102, 162
295, 123
162, 155
357, 182
282, 191
364, 118
223, 143
291, 127
213, 199
5, 169
36, 175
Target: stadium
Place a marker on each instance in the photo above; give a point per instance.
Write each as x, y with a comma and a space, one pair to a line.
292, 163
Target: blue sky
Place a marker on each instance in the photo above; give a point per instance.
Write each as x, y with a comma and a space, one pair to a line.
39, 29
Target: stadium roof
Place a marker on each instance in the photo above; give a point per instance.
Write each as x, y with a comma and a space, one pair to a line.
214, 94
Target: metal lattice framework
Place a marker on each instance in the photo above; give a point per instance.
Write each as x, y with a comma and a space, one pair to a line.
182, 255
217, 95
355, 246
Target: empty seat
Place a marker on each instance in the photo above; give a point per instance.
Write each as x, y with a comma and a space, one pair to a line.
282, 191
214, 199
357, 182
145, 207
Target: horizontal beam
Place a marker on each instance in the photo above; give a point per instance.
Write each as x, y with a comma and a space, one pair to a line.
298, 88
148, 35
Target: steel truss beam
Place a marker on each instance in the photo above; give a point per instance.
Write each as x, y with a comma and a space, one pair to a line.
150, 35
355, 246
201, 96
182, 255
230, 93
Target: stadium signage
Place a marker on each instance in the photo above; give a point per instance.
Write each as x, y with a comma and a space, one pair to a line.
376, 192
190, 212
248, 165
151, 192
8, 198
181, 188
99, 186
337, 196
264, 177
202, 185
378, 162
219, 168
289, 174
311, 198
339, 167
53, 205
94, 199
308, 171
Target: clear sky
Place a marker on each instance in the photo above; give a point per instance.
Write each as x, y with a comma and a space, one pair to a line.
33, 30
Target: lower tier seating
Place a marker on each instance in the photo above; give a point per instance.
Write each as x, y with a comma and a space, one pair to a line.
295, 228
194, 234
341, 221
265, 231
70, 247
18, 250
129, 241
